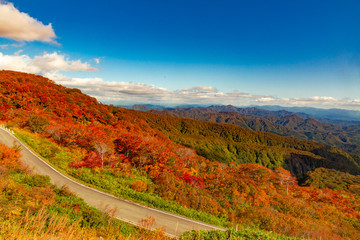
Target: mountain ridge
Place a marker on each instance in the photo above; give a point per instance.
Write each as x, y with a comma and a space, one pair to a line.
214, 172
261, 111
282, 123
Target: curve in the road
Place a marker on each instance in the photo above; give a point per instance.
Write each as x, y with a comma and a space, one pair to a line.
174, 225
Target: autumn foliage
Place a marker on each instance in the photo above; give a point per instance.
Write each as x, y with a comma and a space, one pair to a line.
32, 208
222, 177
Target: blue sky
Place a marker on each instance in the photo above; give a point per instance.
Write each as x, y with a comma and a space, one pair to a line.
294, 53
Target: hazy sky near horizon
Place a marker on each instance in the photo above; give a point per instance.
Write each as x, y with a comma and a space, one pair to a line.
291, 53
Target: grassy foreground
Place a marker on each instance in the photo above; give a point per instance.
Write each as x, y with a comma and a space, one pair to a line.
32, 208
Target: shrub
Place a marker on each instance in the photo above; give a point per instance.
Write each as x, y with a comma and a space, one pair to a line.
139, 186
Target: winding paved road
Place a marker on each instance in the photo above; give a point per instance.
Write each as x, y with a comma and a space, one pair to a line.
126, 211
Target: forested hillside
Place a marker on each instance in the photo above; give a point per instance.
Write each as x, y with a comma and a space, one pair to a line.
283, 123
228, 142
219, 173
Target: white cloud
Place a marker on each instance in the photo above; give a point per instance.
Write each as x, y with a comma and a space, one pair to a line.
43, 64
201, 89
54, 61
51, 65
14, 45
265, 99
320, 102
319, 99
129, 93
20, 26
237, 94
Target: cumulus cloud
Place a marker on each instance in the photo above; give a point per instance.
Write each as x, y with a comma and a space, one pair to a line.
320, 102
122, 93
265, 99
237, 94
55, 61
114, 91
43, 64
20, 26
319, 99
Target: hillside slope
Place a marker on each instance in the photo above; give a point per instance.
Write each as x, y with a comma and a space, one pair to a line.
33, 208
282, 123
137, 155
228, 142
172, 224
72, 118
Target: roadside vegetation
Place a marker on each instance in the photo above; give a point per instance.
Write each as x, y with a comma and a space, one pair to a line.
132, 185
217, 173
241, 234
32, 208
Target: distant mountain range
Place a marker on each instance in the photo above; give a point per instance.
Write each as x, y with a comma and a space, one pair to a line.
281, 122
335, 116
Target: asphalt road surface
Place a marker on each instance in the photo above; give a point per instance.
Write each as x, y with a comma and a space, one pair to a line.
173, 224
